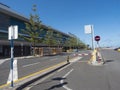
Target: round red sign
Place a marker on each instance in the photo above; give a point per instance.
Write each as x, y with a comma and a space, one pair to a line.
97, 38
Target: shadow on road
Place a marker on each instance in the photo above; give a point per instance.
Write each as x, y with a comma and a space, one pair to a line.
58, 78
109, 61
57, 86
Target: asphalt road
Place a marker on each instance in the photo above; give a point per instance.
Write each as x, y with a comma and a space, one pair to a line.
31, 65
82, 76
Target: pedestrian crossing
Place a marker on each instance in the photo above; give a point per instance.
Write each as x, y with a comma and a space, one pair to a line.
82, 54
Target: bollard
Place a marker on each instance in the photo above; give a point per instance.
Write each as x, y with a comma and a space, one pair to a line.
68, 59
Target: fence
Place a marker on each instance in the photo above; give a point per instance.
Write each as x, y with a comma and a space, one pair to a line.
43, 51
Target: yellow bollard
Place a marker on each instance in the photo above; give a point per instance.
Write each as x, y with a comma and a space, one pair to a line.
93, 57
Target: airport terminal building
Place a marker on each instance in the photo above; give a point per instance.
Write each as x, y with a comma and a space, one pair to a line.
9, 17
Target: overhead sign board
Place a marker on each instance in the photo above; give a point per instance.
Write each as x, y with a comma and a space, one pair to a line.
88, 29
13, 32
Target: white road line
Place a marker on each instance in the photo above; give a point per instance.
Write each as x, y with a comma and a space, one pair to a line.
76, 59
62, 81
54, 59
2, 61
36, 63
63, 68
30, 64
72, 61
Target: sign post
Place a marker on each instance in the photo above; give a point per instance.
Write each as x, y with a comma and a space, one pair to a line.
89, 30
97, 39
12, 34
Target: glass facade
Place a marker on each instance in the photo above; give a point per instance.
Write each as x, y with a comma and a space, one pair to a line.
4, 21
11, 18
21, 24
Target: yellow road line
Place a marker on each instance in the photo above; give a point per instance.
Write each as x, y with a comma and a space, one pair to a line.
33, 74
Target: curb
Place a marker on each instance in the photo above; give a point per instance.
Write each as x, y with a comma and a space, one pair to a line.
25, 84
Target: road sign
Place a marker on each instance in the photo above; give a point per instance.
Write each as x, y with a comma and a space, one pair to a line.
88, 29
97, 38
13, 32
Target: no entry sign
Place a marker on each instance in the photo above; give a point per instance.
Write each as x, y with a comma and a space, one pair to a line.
97, 38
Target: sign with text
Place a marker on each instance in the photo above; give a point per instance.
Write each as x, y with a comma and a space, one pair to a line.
13, 32
88, 29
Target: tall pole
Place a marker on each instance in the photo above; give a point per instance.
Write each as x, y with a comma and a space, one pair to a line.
92, 34
12, 34
12, 55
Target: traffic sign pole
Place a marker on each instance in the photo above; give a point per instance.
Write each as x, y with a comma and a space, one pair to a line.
12, 59
90, 30
93, 46
12, 55
97, 39
12, 34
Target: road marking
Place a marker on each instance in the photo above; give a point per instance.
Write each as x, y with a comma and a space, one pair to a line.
54, 59
30, 64
63, 68
2, 61
62, 81
83, 61
76, 59
72, 61
15, 73
39, 81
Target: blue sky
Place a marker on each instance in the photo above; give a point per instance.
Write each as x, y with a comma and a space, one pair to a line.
72, 15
